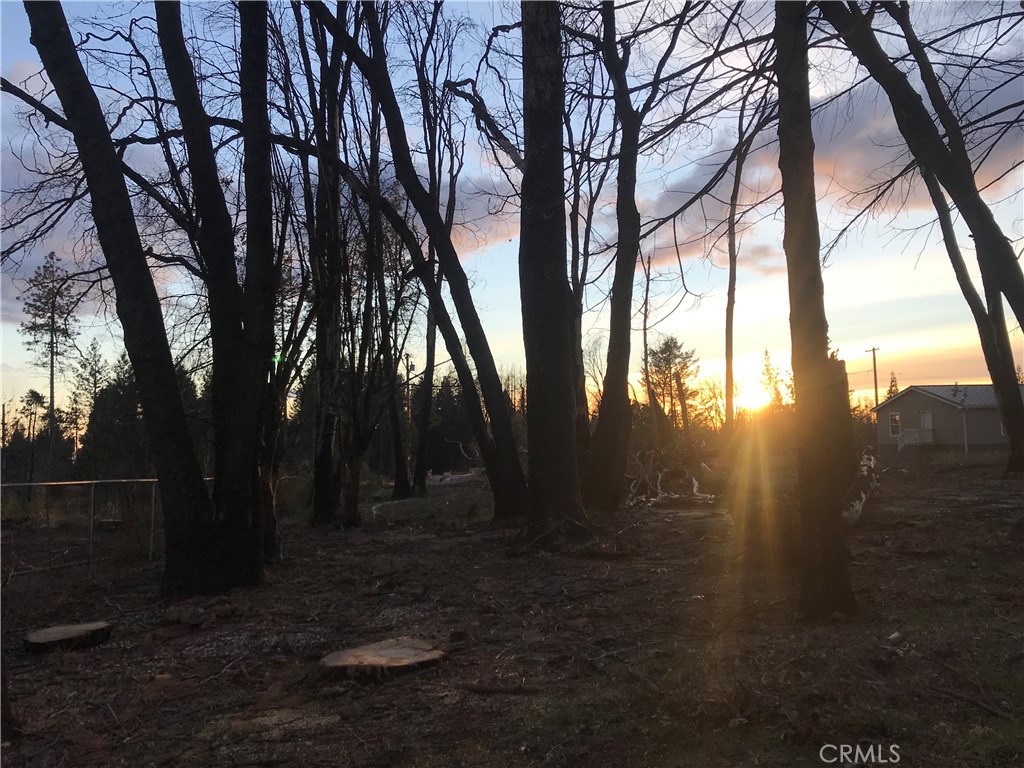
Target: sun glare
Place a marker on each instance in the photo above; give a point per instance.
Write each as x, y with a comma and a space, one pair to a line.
752, 397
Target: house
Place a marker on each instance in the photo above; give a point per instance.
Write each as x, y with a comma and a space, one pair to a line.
960, 416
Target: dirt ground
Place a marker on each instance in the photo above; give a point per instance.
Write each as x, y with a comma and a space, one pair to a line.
666, 649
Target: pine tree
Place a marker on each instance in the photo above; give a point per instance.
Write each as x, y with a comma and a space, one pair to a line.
894, 387
50, 303
771, 380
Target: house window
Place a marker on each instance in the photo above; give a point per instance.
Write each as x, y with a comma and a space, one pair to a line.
894, 425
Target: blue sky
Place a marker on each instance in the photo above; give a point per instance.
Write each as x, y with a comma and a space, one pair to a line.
889, 285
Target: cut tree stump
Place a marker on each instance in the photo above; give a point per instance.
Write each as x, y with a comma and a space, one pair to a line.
379, 659
68, 636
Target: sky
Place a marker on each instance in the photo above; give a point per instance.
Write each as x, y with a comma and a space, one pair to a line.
888, 285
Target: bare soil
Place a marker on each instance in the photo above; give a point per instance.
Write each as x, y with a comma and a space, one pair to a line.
667, 647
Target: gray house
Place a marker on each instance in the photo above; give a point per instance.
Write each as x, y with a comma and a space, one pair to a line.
961, 416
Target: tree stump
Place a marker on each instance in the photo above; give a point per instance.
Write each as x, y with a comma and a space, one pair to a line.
380, 659
68, 636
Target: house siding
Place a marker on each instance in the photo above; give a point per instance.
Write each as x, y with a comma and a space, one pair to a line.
983, 424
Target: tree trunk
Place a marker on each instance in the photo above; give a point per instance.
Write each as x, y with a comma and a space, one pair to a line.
270, 465
241, 321
323, 214
683, 407
351, 517
402, 489
192, 562
261, 286
425, 408
555, 502
823, 426
950, 164
606, 469
991, 324
730, 292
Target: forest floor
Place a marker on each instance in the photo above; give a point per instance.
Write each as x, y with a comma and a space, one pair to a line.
667, 647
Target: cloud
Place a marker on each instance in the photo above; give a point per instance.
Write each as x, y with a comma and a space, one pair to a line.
10, 300
488, 211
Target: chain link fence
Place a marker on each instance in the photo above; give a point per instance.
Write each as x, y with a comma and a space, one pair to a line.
78, 523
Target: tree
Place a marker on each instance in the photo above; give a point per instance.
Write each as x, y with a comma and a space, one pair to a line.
324, 235
824, 430
431, 37
50, 302
991, 325
894, 386
771, 380
555, 502
498, 447
242, 310
31, 403
946, 155
114, 445
89, 374
946, 166
671, 367
212, 544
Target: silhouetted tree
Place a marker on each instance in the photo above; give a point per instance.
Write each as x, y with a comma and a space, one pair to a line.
824, 432
555, 502
894, 386
50, 301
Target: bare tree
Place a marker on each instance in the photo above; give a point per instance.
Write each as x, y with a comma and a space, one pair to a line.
950, 159
824, 431
192, 563
504, 470
991, 325
432, 37
555, 503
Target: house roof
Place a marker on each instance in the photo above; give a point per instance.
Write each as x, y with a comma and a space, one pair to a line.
963, 396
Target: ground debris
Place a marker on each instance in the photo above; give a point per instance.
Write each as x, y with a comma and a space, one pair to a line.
68, 636
379, 659
551, 659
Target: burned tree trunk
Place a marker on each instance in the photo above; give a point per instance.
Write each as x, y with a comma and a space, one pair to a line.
192, 564
555, 503
606, 467
823, 425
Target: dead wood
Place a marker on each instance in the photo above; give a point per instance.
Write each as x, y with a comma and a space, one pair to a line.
68, 636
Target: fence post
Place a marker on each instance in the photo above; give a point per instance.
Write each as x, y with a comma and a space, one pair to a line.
152, 520
92, 522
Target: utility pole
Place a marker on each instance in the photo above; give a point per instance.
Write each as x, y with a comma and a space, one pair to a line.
874, 368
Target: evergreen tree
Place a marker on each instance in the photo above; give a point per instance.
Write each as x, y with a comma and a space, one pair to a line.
671, 367
771, 379
90, 373
114, 444
894, 387
50, 302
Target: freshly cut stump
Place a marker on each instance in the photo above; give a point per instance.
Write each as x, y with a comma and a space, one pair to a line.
68, 636
379, 659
